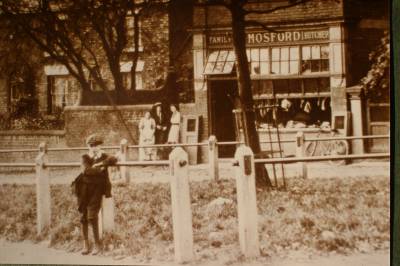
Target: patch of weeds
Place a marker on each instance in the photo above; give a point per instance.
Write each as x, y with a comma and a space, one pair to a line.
290, 220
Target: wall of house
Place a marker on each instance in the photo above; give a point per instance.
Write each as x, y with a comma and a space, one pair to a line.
3, 96
154, 51
155, 39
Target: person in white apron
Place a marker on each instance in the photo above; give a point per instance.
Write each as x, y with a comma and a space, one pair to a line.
147, 127
173, 134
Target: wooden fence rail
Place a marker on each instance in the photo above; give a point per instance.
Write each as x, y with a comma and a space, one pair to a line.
243, 163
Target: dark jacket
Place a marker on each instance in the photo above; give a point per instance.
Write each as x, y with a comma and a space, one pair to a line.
94, 177
160, 135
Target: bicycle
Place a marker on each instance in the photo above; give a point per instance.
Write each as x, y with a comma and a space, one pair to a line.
327, 147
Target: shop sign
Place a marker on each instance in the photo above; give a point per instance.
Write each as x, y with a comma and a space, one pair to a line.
255, 38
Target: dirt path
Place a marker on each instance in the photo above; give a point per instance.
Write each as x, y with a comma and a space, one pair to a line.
29, 253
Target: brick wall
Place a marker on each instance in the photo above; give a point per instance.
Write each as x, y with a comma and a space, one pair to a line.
81, 121
17, 139
54, 139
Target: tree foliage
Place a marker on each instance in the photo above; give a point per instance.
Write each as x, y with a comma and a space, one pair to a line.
376, 82
88, 37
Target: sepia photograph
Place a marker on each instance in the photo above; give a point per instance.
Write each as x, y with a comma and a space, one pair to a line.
196, 132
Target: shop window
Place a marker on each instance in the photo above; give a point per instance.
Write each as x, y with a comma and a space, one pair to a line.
296, 87
294, 112
316, 85
262, 87
220, 62
301, 102
315, 58
62, 92
259, 62
287, 86
285, 60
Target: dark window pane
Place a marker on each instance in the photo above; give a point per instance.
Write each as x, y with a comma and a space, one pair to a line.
306, 66
315, 65
255, 86
281, 86
310, 85
379, 113
325, 65
266, 87
191, 125
324, 85
295, 86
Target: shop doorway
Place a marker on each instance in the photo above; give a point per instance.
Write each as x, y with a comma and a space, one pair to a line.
222, 125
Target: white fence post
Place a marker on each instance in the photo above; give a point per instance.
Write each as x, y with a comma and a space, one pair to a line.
246, 201
43, 199
106, 215
181, 207
123, 154
300, 141
213, 158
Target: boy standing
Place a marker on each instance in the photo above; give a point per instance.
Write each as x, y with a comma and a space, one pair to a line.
90, 186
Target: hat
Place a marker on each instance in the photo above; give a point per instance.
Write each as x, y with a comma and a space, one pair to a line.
157, 104
94, 139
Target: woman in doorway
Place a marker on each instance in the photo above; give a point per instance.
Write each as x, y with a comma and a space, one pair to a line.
173, 135
147, 127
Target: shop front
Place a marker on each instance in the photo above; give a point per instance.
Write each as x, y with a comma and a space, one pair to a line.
298, 82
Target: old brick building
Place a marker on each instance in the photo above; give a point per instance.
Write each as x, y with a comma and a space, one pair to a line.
161, 75
311, 57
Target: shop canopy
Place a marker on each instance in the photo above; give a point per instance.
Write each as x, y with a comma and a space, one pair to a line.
220, 62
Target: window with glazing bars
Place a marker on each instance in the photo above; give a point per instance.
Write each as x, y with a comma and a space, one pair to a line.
220, 62
258, 61
315, 58
285, 60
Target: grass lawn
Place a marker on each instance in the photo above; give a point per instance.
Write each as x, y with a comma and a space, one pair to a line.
336, 215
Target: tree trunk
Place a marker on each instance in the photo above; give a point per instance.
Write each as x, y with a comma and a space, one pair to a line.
243, 75
118, 83
250, 133
135, 55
